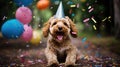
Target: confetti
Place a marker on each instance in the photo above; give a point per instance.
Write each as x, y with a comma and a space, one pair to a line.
84, 39
73, 14
91, 10
83, 9
78, 5
94, 27
98, 65
70, 11
93, 20
104, 19
39, 25
86, 20
51, 7
72, 5
33, 16
56, 2
4, 17
109, 17
89, 7
69, 2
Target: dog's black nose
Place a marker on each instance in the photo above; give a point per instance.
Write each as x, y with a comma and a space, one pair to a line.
60, 28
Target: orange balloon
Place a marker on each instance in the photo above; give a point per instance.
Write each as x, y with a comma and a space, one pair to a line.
43, 4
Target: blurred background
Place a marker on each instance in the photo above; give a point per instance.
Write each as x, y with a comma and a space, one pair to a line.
97, 21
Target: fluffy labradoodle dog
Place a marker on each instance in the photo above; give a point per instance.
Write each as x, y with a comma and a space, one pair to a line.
59, 47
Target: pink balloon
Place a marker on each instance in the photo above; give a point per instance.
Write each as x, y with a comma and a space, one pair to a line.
27, 34
24, 15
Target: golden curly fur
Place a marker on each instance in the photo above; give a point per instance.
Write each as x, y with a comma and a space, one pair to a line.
59, 47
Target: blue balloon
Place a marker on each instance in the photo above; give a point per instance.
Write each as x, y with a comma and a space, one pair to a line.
23, 2
12, 29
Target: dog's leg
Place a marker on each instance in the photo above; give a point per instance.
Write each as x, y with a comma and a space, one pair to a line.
71, 57
52, 58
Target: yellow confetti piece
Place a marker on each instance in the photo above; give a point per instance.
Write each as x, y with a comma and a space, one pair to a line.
109, 17
94, 27
89, 7
72, 5
33, 16
104, 19
83, 9
93, 20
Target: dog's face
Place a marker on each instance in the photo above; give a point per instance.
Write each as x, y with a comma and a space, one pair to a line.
59, 29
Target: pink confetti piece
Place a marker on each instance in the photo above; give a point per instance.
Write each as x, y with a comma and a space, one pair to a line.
86, 20
4, 18
78, 5
91, 10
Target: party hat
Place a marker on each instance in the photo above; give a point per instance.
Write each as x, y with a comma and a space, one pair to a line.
60, 11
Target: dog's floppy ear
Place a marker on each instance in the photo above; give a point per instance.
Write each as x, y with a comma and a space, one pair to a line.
73, 28
45, 28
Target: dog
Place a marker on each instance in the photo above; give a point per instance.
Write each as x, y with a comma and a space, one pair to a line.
59, 47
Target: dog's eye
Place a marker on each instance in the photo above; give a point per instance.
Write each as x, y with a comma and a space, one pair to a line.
65, 24
54, 23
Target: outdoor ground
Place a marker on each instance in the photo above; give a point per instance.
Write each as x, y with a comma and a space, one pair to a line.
93, 52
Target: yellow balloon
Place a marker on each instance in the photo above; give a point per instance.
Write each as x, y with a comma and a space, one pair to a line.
36, 38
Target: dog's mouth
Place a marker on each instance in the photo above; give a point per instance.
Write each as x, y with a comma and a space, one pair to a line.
60, 35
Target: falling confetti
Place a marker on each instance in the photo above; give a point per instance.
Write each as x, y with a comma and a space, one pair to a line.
94, 27
83, 9
84, 39
72, 5
104, 19
89, 7
91, 10
4, 17
70, 11
33, 16
93, 20
78, 5
73, 14
86, 20
109, 18
69, 2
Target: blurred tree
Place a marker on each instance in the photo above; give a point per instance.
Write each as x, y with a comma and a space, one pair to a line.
117, 18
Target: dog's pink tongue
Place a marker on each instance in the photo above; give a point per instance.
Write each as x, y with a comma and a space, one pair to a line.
60, 37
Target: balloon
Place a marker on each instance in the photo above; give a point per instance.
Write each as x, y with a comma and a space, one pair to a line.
24, 15
27, 34
23, 2
12, 29
43, 4
36, 37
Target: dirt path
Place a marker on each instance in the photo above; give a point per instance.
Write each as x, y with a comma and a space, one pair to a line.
17, 53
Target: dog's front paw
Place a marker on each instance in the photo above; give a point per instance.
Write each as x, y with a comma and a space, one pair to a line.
53, 64
69, 65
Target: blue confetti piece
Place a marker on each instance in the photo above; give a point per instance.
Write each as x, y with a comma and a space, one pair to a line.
98, 65
84, 39
69, 2
73, 14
